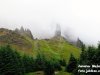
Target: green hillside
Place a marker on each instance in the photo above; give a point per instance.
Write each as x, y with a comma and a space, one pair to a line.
54, 48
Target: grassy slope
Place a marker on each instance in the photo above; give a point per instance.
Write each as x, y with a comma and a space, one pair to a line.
58, 49
51, 48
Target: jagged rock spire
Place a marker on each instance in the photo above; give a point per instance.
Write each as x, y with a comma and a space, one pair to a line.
58, 30
79, 43
24, 32
22, 29
29, 33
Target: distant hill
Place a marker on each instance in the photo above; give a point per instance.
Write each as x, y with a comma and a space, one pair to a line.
56, 47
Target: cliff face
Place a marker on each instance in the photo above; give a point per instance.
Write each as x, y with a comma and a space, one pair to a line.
24, 32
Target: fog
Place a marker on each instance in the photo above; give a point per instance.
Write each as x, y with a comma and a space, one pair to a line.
79, 18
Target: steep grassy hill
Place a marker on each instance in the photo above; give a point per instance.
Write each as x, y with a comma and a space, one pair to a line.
53, 48
56, 48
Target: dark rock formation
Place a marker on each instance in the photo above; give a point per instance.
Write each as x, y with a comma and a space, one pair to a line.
79, 43
24, 32
58, 31
28, 33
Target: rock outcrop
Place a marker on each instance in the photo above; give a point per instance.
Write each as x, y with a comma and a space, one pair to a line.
11, 37
79, 43
24, 32
58, 31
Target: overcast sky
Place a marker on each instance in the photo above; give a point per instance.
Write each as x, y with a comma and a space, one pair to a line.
79, 17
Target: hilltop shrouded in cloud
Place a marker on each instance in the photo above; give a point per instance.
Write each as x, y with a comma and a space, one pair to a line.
41, 17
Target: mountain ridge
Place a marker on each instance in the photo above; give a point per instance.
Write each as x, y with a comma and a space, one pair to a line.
52, 48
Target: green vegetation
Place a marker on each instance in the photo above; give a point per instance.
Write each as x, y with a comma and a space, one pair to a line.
89, 56
22, 55
52, 48
14, 64
36, 56
10, 62
58, 49
72, 64
63, 73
